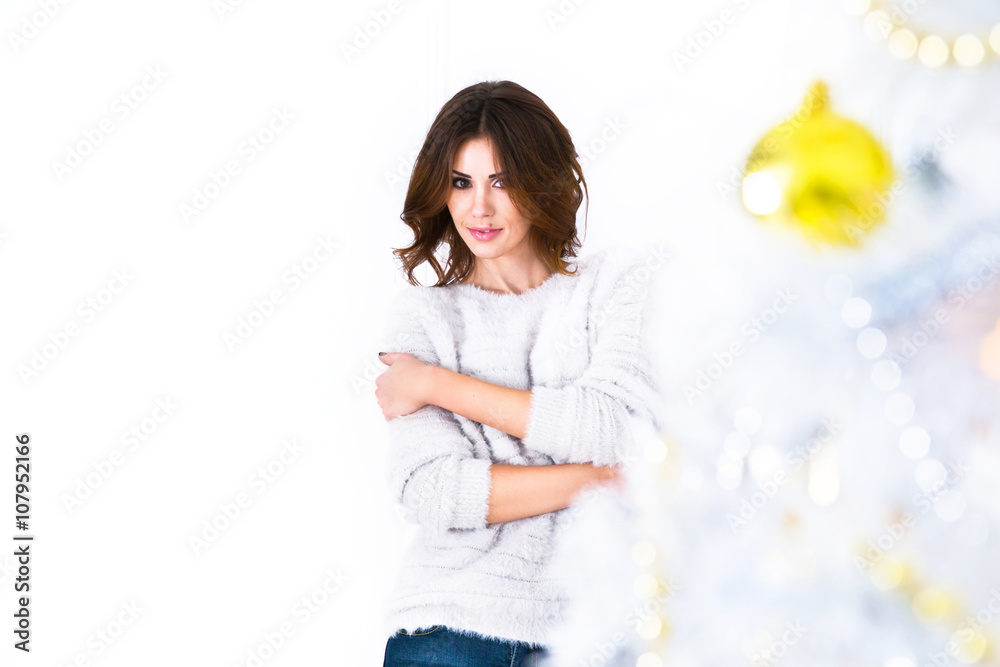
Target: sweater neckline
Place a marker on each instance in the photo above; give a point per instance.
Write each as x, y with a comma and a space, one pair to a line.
472, 288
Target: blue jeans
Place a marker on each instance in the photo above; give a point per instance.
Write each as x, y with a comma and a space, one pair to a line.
438, 646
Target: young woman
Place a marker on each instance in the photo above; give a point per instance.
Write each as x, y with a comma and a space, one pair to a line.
510, 382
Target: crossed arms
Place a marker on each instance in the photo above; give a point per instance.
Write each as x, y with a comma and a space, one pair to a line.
582, 426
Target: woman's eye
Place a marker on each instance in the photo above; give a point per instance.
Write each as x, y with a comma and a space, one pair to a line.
463, 183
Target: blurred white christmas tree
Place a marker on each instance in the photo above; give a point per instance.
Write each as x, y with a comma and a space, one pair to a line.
827, 494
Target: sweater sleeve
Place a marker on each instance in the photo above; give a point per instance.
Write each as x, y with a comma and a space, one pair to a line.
588, 419
430, 466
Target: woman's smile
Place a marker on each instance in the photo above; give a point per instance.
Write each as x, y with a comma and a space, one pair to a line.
485, 233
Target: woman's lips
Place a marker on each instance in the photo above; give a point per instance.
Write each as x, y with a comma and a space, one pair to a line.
486, 234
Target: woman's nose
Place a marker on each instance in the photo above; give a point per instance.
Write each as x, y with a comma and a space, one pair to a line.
482, 203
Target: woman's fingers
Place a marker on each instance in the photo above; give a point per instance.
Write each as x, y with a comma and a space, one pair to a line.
612, 475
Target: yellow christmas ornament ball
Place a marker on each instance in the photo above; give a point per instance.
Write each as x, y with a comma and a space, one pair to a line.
821, 173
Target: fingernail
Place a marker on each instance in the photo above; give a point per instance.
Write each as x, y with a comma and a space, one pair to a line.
381, 353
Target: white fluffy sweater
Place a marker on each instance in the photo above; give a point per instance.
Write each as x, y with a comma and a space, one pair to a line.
580, 344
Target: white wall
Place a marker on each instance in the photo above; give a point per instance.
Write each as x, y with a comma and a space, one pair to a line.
302, 374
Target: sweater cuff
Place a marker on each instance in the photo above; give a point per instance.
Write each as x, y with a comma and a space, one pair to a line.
472, 493
550, 421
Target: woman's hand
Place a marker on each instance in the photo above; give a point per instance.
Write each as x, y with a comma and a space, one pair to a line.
610, 475
404, 387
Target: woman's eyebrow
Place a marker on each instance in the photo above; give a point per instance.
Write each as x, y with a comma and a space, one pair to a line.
467, 176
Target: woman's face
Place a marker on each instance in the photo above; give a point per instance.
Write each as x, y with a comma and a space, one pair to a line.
483, 213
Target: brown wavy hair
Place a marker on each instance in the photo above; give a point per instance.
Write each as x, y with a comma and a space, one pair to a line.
542, 177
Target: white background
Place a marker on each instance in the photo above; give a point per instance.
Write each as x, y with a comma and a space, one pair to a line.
337, 172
